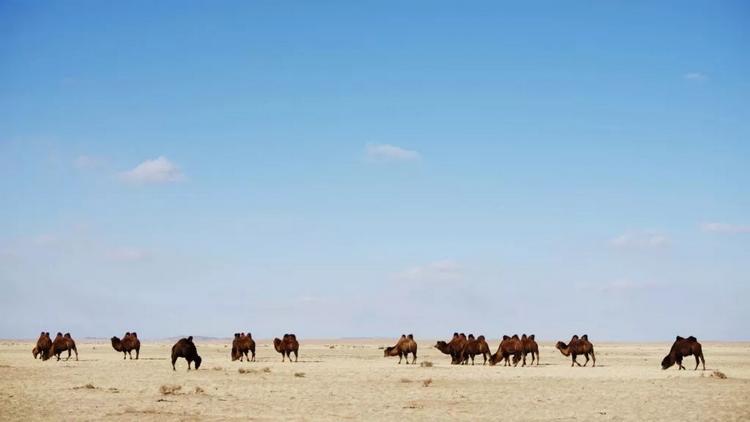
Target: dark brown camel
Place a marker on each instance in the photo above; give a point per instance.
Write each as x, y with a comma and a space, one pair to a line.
403, 347
453, 347
683, 347
242, 344
286, 346
530, 346
509, 346
577, 347
474, 346
185, 348
61, 344
43, 346
128, 343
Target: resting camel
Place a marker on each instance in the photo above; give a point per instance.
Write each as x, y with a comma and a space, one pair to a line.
453, 347
241, 345
185, 348
128, 343
681, 348
508, 346
61, 344
286, 346
473, 347
43, 346
530, 346
577, 347
403, 347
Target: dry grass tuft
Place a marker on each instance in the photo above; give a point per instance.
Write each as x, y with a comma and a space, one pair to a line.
267, 370
217, 368
199, 390
426, 364
246, 371
405, 380
88, 386
299, 374
170, 389
718, 374
427, 382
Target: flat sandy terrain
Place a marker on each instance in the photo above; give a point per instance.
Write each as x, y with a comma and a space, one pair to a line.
350, 379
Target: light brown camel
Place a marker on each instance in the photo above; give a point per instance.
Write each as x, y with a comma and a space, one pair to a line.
509, 346
403, 347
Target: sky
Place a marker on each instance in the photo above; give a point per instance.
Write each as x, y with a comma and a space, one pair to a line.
356, 169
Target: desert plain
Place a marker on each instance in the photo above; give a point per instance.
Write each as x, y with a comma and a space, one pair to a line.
351, 380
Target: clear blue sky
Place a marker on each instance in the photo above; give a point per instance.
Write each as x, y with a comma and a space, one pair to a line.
374, 168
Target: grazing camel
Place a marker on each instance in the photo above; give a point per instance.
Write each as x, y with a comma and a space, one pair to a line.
128, 343
681, 348
185, 348
508, 346
474, 346
577, 347
530, 346
403, 347
241, 345
43, 346
61, 344
286, 346
453, 347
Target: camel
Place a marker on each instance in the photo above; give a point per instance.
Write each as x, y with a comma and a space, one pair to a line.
530, 346
128, 343
681, 348
453, 347
286, 346
472, 347
577, 347
61, 344
185, 348
241, 345
508, 346
43, 346
403, 347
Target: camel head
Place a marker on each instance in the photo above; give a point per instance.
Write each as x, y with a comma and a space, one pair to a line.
667, 362
494, 359
116, 344
387, 351
563, 348
197, 361
442, 346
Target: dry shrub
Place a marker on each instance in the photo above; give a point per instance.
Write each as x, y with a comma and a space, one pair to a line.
718, 374
426, 364
199, 390
88, 386
246, 371
299, 374
405, 380
170, 389
267, 370
427, 382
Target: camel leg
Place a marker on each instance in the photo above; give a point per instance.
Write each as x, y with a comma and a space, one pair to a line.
586, 355
537, 358
697, 359
399, 358
174, 359
415, 358
124, 355
137, 352
702, 361
253, 355
283, 356
593, 358
295, 356
575, 361
524, 360
189, 362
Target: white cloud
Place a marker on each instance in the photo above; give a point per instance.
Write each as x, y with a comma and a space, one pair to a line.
695, 76
160, 170
88, 162
128, 255
640, 240
386, 152
724, 228
433, 272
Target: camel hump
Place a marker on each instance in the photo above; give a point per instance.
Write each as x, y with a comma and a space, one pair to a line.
575, 337
679, 338
134, 334
515, 336
471, 336
236, 335
506, 338
523, 336
455, 334
585, 337
410, 336
292, 336
59, 334
481, 337
190, 338
403, 335
691, 338
249, 335
531, 337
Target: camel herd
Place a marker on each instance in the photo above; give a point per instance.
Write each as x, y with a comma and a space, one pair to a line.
461, 348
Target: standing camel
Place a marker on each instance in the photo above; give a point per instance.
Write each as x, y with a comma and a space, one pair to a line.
577, 346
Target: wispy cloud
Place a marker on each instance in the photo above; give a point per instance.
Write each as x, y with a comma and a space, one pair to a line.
88, 162
433, 272
640, 240
695, 76
128, 255
159, 170
713, 227
386, 152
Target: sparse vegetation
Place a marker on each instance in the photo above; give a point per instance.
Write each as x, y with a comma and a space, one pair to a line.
199, 390
427, 382
88, 386
246, 371
718, 374
426, 364
405, 380
299, 374
267, 370
170, 389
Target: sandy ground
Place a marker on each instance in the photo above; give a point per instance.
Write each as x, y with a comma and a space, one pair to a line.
350, 379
